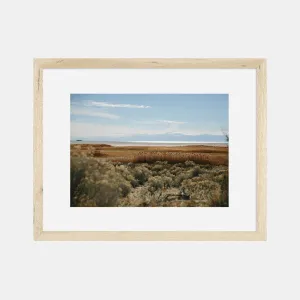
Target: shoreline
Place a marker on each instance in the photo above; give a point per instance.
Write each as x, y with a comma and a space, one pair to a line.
151, 144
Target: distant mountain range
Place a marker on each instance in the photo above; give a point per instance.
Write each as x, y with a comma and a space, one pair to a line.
168, 137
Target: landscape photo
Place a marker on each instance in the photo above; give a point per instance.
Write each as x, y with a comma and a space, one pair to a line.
149, 150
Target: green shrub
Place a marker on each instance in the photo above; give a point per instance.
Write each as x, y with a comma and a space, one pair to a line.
155, 183
141, 174
158, 168
104, 193
175, 170
167, 181
196, 171
95, 182
124, 188
134, 183
99, 182
189, 163
76, 177
202, 190
179, 179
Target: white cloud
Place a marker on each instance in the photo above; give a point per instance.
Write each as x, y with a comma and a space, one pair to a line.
159, 122
171, 122
197, 132
89, 113
106, 104
81, 129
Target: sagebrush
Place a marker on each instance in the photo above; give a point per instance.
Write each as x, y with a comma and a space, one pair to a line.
148, 182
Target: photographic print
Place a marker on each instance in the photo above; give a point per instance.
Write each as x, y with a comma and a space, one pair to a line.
137, 134
149, 150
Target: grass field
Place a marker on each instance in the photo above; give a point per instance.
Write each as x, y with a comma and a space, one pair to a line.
103, 175
203, 154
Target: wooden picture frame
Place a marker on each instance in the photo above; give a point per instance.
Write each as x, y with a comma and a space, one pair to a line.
173, 63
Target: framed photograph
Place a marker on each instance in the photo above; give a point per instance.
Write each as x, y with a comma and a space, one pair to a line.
150, 149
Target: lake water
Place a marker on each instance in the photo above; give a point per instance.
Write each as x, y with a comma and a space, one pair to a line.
151, 143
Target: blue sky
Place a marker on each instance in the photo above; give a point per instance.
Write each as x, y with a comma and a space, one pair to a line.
122, 115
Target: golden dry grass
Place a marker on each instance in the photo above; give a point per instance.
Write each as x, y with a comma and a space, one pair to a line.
174, 157
213, 155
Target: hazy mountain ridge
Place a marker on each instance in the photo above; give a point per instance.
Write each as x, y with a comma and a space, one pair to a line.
171, 137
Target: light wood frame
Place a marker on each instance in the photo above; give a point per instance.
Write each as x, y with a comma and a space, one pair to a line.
148, 63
